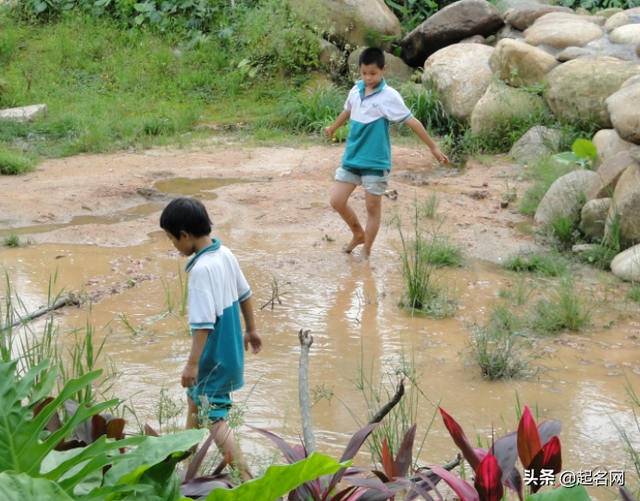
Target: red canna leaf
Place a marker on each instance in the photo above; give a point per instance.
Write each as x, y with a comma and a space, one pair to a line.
464, 491
553, 455
488, 481
405, 452
528, 438
548, 429
460, 439
388, 464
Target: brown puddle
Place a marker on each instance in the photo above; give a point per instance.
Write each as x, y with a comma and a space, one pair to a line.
351, 310
199, 188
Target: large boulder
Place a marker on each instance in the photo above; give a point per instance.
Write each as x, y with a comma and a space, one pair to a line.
608, 143
461, 75
622, 18
562, 34
503, 105
624, 109
607, 13
626, 265
448, 26
23, 113
602, 47
523, 17
629, 33
520, 64
594, 217
565, 197
535, 143
348, 21
563, 17
626, 207
604, 184
505, 5
397, 69
577, 89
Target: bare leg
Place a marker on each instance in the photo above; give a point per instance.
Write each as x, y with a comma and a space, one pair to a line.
224, 439
374, 215
340, 203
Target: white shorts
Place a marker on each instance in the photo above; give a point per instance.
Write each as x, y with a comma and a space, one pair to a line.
376, 185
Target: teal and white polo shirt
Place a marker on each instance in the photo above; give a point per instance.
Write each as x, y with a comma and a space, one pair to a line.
216, 287
368, 143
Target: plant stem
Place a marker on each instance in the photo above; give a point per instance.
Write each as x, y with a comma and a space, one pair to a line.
390, 404
306, 341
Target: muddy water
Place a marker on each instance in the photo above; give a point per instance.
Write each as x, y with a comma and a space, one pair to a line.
351, 310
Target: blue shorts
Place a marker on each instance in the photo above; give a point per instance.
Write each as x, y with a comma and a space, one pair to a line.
375, 183
215, 408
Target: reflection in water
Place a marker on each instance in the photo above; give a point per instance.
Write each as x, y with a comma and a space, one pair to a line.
352, 311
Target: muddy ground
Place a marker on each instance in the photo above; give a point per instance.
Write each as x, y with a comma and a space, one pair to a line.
288, 192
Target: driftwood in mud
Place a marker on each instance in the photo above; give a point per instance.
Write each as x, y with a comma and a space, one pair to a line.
68, 299
306, 340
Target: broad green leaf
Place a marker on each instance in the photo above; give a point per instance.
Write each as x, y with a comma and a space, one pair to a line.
568, 157
130, 467
21, 449
585, 149
278, 480
577, 493
22, 487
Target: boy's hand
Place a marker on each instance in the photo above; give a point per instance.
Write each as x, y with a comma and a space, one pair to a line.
189, 375
253, 339
328, 133
441, 157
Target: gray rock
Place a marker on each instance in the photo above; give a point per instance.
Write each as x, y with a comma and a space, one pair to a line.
523, 17
626, 206
448, 26
502, 105
24, 113
561, 35
608, 143
535, 143
623, 18
607, 13
601, 47
593, 217
508, 32
635, 153
629, 33
604, 184
461, 75
520, 64
474, 39
577, 89
329, 53
348, 21
626, 265
563, 17
397, 69
624, 109
565, 197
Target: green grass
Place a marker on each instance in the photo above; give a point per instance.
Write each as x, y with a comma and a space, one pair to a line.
11, 240
519, 293
563, 308
15, 163
634, 293
544, 173
599, 257
441, 252
551, 264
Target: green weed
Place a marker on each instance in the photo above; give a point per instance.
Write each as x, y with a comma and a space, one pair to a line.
564, 308
15, 163
564, 228
520, 291
311, 111
599, 257
551, 264
425, 105
12, 240
429, 205
544, 173
634, 293
441, 252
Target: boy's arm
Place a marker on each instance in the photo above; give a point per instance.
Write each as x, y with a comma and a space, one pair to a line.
342, 118
421, 132
190, 371
251, 336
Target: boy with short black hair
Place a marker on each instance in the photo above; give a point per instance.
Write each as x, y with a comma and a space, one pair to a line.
370, 106
218, 292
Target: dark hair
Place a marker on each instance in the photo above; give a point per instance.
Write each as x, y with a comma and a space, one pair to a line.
372, 55
186, 214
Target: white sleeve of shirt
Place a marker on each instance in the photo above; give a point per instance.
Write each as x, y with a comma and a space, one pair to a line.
393, 108
244, 291
352, 94
202, 303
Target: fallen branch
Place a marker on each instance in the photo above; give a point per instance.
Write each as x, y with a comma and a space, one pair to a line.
427, 472
306, 341
69, 299
390, 404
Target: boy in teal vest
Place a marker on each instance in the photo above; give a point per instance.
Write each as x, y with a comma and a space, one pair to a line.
370, 106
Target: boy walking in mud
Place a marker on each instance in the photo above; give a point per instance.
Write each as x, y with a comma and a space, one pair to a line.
370, 106
218, 292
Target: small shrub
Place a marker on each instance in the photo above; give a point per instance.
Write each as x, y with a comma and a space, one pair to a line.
550, 264
160, 127
15, 163
11, 240
312, 111
563, 309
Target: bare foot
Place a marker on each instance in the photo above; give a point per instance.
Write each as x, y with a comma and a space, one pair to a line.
363, 257
358, 239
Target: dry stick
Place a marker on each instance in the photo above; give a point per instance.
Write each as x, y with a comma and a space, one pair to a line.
68, 299
306, 341
390, 404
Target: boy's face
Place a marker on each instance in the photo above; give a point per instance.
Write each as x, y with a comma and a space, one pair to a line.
184, 244
371, 75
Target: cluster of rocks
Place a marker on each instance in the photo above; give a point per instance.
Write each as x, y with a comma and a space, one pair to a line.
484, 61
